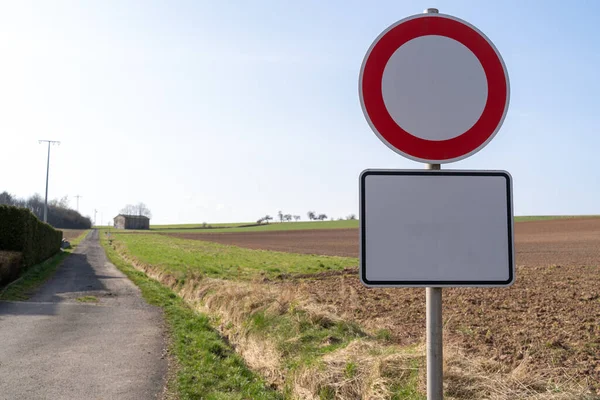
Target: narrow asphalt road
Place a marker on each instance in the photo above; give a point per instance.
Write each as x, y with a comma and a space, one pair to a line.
55, 347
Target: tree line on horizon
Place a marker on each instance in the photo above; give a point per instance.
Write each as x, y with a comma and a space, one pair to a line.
60, 215
312, 215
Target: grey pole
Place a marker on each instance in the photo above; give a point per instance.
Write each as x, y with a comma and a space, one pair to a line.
47, 175
435, 348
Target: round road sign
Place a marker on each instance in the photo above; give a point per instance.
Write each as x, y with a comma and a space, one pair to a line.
434, 88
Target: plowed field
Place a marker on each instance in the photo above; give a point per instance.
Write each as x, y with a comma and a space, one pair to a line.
548, 323
549, 320
552, 242
329, 242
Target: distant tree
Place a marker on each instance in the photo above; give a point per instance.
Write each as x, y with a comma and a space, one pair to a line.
129, 209
322, 217
280, 215
36, 205
351, 217
296, 218
265, 219
64, 202
59, 214
311, 215
7, 198
287, 217
139, 209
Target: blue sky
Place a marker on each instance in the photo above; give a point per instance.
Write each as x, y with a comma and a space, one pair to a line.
226, 111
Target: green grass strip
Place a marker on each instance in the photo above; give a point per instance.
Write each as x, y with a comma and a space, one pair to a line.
207, 368
38, 274
273, 226
181, 257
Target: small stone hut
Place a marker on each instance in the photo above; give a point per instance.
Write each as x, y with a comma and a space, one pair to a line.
131, 222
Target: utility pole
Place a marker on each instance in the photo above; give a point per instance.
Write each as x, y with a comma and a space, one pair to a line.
47, 175
77, 197
95, 211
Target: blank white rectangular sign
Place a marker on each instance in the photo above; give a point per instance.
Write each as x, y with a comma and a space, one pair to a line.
436, 228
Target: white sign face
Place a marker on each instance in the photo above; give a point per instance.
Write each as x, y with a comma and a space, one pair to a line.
434, 88
436, 228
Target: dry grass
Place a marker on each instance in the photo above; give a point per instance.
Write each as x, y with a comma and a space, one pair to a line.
467, 377
233, 303
364, 368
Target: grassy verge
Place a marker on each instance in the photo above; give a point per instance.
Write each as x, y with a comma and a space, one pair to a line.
207, 368
184, 258
202, 225
36, 275
285, 226
302, 348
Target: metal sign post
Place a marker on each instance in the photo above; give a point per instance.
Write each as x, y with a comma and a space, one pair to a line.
434, 336
435, 229
435, 348
433, 319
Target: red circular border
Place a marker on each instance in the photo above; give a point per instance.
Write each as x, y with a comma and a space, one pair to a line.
397, 137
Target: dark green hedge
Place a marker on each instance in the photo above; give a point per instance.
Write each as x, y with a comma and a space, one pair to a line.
22, 231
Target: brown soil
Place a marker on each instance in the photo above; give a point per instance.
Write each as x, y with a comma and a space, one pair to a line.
558, 242
553, 242
549, 321
550, 318
329, 242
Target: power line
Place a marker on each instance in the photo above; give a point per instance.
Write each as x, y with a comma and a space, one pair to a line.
47, 175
